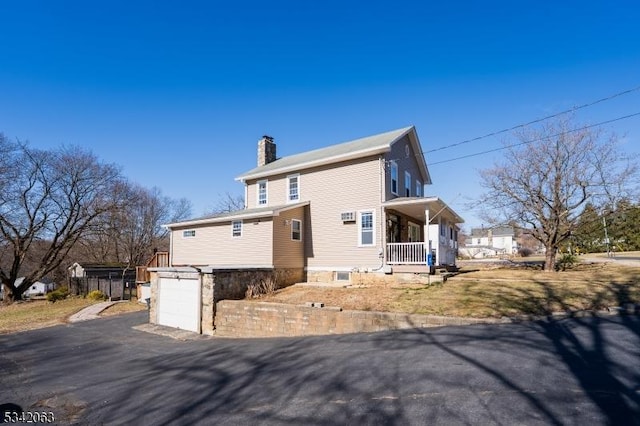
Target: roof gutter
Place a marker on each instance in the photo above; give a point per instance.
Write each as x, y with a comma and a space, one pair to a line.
240, 216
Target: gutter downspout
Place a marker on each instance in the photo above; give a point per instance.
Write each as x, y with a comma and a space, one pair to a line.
170, 248
383, 219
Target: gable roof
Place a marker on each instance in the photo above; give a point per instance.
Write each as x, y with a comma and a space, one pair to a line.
497, 231
357, 148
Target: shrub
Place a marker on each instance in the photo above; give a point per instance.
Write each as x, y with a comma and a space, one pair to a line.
96, 295
567, 260
58, 294
263, 287
525, 252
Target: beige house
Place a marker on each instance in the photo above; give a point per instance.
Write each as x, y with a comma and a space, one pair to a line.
354, 208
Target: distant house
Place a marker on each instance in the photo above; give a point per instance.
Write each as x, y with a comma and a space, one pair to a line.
488, 242
38, 288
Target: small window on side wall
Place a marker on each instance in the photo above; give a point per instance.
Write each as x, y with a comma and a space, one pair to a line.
236, 228
189, 233
296, 230
394, 178
366, 235
407, 184
293, 188
262, 192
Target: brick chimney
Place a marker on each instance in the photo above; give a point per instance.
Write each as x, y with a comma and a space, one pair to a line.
266, 150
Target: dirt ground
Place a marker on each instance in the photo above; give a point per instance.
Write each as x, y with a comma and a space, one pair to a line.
497, 292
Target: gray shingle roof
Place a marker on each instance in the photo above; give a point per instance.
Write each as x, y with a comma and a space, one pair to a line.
364, 145
238, 214
496, 231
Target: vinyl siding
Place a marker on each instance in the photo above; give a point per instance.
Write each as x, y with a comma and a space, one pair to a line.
276, 191
405, 164
332, 189
354, 186
288, 253
214, 245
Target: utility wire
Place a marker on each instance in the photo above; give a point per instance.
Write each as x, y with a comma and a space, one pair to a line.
535, 140
519, 126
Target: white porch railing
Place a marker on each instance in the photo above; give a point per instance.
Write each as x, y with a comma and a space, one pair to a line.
406, 254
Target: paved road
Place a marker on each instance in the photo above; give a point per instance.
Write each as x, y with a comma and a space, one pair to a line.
579, 371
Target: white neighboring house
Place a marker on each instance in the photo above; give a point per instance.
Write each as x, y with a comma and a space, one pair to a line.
38, 288
488, 242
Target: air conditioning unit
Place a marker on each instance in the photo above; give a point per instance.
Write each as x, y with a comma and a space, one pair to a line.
348, 216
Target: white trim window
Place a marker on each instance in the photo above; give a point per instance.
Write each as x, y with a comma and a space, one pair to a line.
407, 184
189, 233
418, 188
296, 230
366, 228
394, 178
262, 192
293, 188
414, 232
236, 228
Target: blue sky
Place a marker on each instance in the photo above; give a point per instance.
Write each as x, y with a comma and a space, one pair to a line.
178, 93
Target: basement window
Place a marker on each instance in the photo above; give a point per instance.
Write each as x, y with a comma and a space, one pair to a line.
342, 276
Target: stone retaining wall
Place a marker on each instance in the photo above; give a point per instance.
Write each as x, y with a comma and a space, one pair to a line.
239, 318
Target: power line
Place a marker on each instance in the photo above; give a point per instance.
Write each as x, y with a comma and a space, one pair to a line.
535, 140
519, 126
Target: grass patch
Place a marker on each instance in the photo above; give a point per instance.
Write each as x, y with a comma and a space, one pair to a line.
29, 315
123, 308
487, 293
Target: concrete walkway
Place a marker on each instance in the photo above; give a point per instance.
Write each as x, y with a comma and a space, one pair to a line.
92, 312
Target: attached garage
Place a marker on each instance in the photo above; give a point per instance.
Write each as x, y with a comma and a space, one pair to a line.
178, 303
185, 297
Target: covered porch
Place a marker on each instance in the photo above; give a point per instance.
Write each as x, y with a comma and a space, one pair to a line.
417, 227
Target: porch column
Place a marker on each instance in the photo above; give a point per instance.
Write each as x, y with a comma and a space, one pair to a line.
427, 240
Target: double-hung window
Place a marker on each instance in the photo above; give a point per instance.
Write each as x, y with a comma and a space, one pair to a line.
407, 184
296, 230
366, 229
262, 192
418, 188
236, 228
293, 188
394, 178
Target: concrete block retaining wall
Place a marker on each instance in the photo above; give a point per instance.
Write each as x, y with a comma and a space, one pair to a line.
239, 318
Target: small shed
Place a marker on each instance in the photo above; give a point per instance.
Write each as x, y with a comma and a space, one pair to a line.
113, 279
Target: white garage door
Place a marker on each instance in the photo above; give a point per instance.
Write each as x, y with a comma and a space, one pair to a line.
179, 303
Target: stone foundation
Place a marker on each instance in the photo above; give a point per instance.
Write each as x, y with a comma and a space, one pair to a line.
372, 278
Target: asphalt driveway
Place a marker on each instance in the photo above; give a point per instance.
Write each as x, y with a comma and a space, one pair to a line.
577, 371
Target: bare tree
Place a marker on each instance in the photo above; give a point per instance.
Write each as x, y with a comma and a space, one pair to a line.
48, 200
130, 234
228, 203
548, 176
